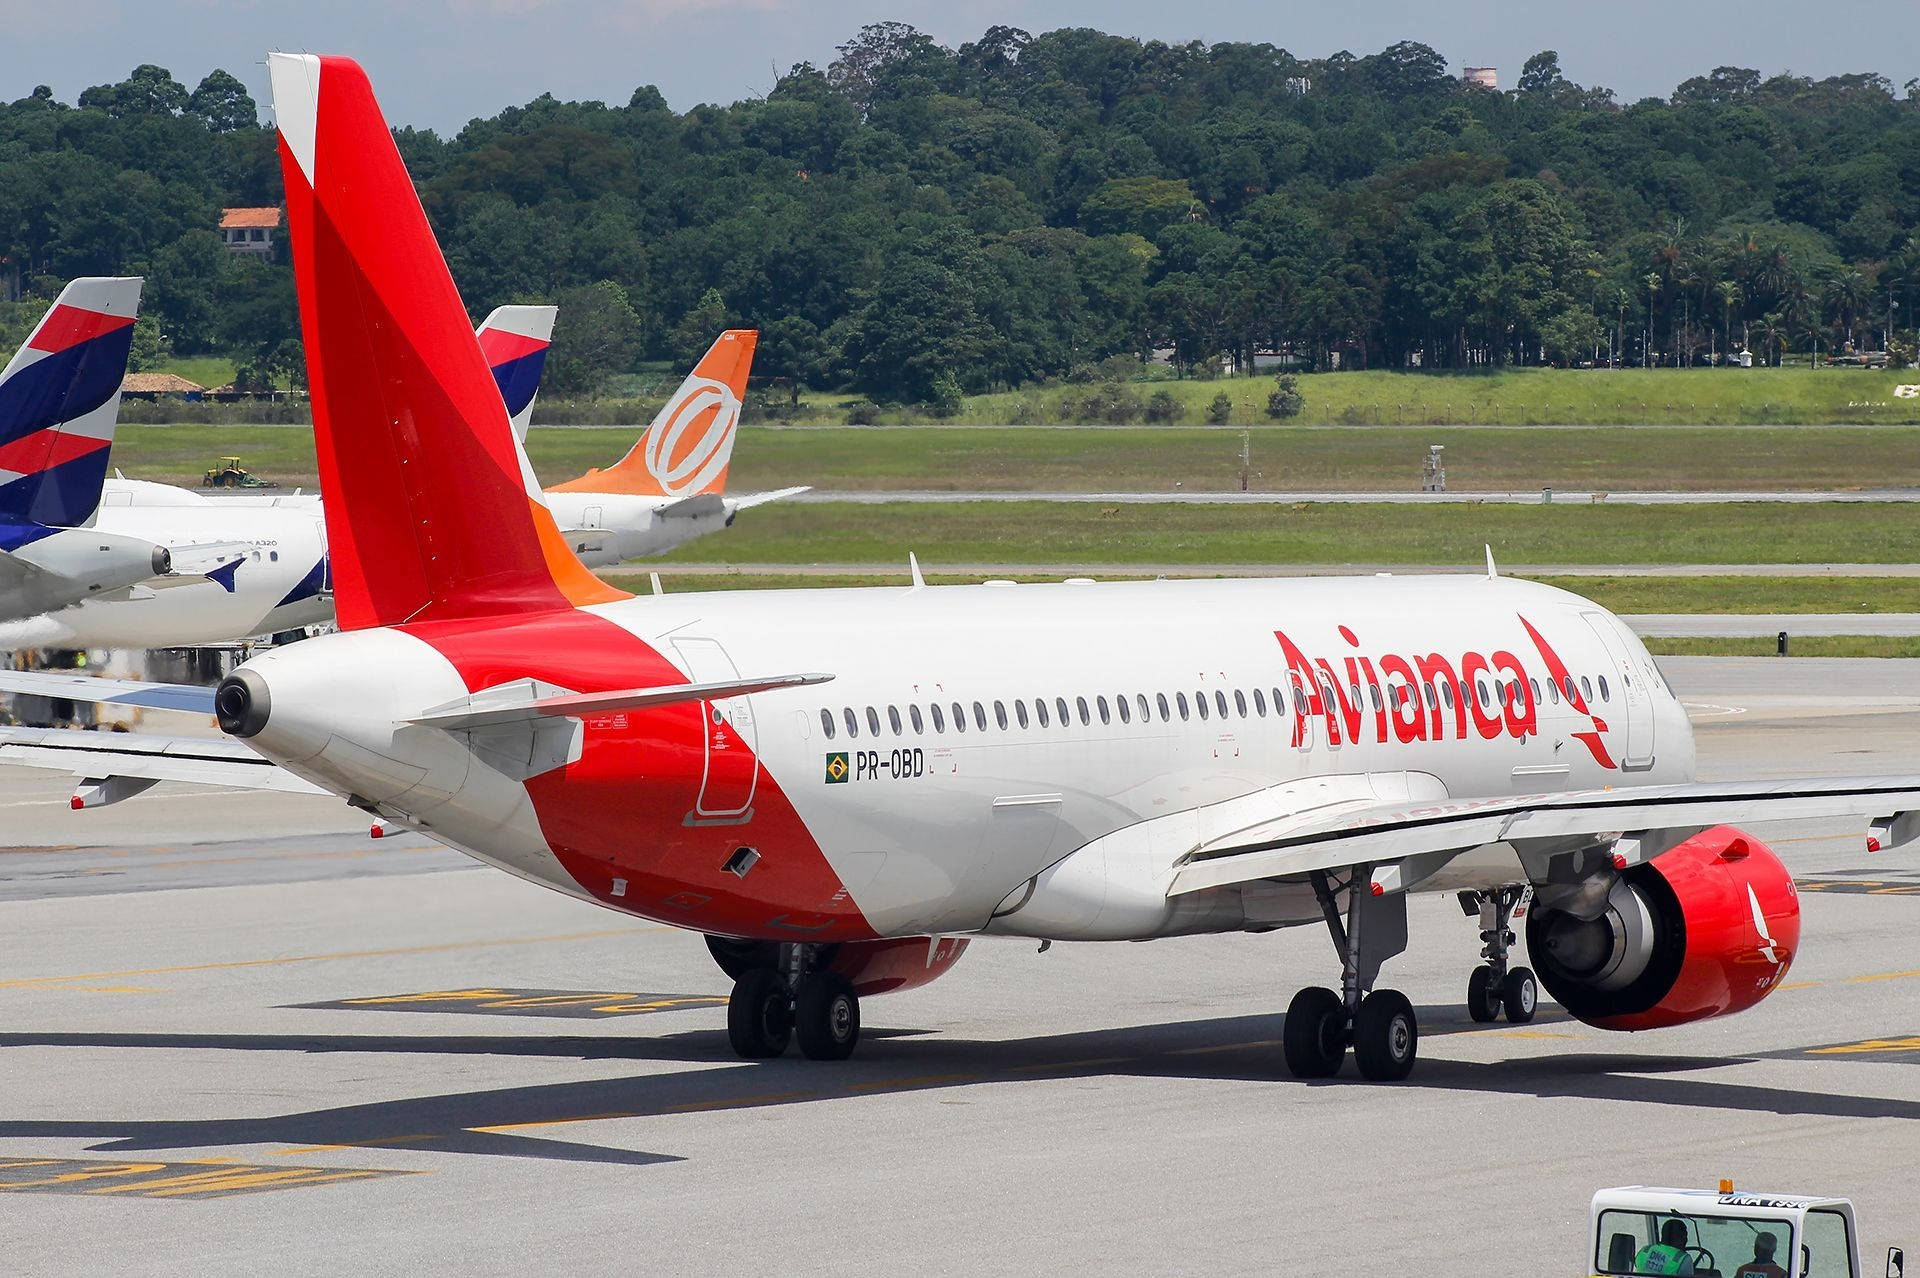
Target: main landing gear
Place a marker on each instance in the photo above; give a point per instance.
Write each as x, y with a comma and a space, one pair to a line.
785, 992
1494, 987
1378, 1024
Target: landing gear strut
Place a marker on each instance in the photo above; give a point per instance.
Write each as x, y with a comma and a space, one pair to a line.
1378, 1024
1494, 987
791, 993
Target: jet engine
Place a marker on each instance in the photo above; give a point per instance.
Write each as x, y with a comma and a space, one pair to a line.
81, 562
1703, 930
874, 967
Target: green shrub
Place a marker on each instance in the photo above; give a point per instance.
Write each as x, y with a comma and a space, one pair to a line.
1164, 407
1286, 400
1220, 411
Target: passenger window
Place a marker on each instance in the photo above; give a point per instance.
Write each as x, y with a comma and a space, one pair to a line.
1060, 705
1604, 694
1239, 703
1553, 691
1426, 689
873, 721
1200, 704
1279, 702
1020, 712
1573, 693
1534, 684
1126, 712
1000, 714
1180, 699
1102, 703
893, 719
1086, 720
1354, 689
1160, 699
1146, 711
1373, 693
826, 723
1040, 710
1260, 703
959, 717
939, 720
1586, 689
979, 716
913, 714
853, 723
1446, 694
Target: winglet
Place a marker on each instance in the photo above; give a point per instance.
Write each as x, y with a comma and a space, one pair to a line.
1492, 572
686, 450
913, 566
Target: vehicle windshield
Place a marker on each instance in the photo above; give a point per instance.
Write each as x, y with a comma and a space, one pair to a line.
1646, 1242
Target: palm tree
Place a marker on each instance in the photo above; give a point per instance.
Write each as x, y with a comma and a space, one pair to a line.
1846, 296
1771, 331
1729, 294
1653, 294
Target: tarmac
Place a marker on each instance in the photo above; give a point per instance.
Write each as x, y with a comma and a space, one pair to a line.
235, 1033
1204, 497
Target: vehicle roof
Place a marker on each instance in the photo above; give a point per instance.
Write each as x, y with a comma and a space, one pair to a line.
1657, 1198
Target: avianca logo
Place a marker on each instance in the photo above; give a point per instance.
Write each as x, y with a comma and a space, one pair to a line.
690, 444
1474, 695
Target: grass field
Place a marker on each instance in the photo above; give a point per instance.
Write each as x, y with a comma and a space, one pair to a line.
1811, 646
1530, 396
1040, 532
1154, 459
1616, 594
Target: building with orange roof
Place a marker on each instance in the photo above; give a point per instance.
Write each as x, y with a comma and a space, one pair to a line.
250, 230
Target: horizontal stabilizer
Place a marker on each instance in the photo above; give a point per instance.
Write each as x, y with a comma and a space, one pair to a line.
751, 500
694, 507
114, 692
525, 701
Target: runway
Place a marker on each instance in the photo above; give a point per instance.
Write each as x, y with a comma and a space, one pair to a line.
1204, 497
317, 1053
868, 568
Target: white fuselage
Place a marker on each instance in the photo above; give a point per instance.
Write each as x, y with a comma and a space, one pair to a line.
935, 829
611, 528
273, 556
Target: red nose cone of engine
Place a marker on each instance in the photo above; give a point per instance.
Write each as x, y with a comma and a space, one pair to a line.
1741, 919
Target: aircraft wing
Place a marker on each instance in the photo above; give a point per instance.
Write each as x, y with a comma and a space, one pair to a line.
143, 757
1408, 840
693, 507
526, 701
115, 692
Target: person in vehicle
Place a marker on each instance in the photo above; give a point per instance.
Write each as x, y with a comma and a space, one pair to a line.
1669, 1255
1762, 1265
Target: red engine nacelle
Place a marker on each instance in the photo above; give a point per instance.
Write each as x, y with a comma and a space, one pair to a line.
874, 967
1703, 930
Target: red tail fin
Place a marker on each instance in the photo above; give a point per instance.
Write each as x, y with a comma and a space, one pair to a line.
427, 512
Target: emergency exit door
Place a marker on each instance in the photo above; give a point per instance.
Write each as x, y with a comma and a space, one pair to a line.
731, 745
1633, 720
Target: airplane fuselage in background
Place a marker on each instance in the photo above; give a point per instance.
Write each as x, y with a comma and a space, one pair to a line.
875, 814
274, 559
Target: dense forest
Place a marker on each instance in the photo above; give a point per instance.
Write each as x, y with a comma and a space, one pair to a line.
916, 222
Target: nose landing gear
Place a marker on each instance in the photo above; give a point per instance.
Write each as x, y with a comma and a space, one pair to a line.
1379, 1025
1493, 987
792, 994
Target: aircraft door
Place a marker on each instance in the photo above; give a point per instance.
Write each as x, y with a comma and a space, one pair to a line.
1633, 706
731, 742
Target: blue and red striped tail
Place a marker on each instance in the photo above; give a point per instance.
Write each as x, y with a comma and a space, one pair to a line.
515, 340
59, 403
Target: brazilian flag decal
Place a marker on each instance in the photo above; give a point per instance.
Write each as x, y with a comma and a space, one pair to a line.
837, 769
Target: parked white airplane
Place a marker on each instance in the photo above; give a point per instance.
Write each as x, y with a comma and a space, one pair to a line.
667, 490
1066, 762
59, 402
81, 572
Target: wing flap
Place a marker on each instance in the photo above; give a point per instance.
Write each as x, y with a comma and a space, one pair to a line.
191, 698
1391, 832
102, 755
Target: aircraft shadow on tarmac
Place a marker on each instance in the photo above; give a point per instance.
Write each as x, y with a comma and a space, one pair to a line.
487, 1121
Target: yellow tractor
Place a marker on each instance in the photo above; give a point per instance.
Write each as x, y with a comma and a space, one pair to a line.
231, 474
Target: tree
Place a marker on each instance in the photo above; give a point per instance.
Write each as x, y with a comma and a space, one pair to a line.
150, 90
1540, 76
222, 104
596, 335
1220, 411
698, 328
1286, 401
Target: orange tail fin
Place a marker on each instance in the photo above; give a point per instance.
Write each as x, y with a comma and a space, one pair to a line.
685, 452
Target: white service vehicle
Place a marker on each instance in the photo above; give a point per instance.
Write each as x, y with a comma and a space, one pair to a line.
1644, 1230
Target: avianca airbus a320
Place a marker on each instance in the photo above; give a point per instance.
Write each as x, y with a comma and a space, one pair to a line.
840, 787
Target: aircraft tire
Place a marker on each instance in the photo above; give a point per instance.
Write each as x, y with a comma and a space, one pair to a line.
1520, 995
826, 1016
1483, 997
1315, 1038
759, 1015
1386, 1037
